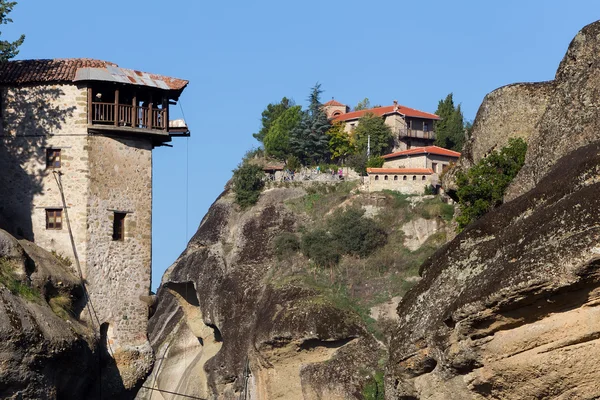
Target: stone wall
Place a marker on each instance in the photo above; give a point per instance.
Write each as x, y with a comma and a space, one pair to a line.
420, 161
35, 119
413, 184
121, 181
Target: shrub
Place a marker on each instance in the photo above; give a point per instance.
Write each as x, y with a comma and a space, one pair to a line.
354, 234
319, 246
13, 284
429, 190
64, 260
61, 305
482, 187
247, 184
286, 244
293, 163
375, 162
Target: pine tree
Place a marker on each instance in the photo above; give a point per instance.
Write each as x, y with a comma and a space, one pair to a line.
8, 49
450, 129
309, 140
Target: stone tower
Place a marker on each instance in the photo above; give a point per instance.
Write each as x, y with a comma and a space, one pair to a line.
76, 140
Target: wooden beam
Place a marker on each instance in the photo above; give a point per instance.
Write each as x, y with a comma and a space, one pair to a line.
116, 113
149, 121
165, 105
90, 106
134, 110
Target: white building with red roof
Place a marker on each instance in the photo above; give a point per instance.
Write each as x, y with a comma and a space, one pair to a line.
410, 127
410, 171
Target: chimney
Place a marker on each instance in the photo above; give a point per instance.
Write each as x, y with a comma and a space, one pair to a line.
395, 105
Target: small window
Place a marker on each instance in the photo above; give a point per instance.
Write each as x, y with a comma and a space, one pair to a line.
404, 178
423, 178
52, 158
119, 226
54, 218
395, 177
376, 177
425, 127
385, 178
414, 177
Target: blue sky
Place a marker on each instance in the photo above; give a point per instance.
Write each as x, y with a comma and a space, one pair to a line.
241, 55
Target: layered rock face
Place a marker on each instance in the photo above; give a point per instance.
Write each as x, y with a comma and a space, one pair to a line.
554, 117
42, 355
226, 326
509, 308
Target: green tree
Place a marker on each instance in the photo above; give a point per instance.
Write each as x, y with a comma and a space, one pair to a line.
270, 115
482, 187
8, 49
340, 144
277, 139
450, 129
309, 140
354, 233
365, 104
247, 184
380, 133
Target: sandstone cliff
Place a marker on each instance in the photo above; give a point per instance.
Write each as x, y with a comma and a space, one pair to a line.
509, 308
234, 320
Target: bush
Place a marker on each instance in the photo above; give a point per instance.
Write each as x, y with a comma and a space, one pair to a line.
286, 244
319, 247
13, 284
482, 187
375, 162
429, 190
354, 234
247, 184
293, 163
63, 259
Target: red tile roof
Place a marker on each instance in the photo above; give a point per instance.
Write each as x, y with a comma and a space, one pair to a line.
63, 70
333, 102
381, 111
440, 151
400, 171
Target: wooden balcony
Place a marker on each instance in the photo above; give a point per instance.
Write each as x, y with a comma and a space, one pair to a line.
413, 133
122, 115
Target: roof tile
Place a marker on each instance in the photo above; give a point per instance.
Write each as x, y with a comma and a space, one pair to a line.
381, 111
440, 151
401, 171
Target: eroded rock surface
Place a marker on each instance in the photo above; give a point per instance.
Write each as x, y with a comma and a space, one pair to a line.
509, 308
554, 117
225, 324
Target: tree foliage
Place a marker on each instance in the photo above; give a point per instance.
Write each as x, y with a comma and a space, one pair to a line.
340, 144
380, 133
482, 187
365, 104
8, 49
270, 115
450, 129
277, 139
354, 233
247, 184
309, 140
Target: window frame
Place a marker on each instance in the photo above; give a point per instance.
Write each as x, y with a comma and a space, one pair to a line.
51, 215
51, 158
118, 234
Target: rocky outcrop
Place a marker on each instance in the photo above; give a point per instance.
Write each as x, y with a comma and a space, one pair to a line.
509, 308
229, 321
44, 352
554, 117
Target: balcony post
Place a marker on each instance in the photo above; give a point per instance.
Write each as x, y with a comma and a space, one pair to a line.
134, 111
90, 106
149, 118
165, 111
116, 112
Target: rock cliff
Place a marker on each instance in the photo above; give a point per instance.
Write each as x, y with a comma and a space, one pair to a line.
554, 117
509, 308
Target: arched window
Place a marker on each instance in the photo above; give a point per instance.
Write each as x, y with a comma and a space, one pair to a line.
414, 177
423, 178
376, 177
404, 178
336, 113
385, 178
395, 177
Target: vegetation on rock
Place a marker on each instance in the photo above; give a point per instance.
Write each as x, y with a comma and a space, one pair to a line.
15, 285
482, 187
247, 184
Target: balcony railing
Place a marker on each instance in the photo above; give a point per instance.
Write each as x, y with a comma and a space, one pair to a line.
413, 133
129, 115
